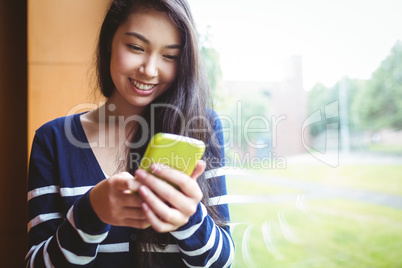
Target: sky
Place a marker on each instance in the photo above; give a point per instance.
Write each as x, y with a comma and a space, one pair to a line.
334, 38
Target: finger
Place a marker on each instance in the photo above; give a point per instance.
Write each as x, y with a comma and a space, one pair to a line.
199, 169
161, 179
187, 185
124, 182
155, 181
182, 201
133, 213
130, 200
157, 224
160, 208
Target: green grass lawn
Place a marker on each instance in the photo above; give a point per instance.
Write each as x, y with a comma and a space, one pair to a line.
389, 149
380, 178
319, 233
333, 234
244, 187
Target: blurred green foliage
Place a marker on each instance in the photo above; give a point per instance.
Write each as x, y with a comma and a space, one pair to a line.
372, 104
213, 70
248, 115
379, 105
211, 64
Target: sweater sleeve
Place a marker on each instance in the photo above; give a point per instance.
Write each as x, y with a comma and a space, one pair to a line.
58, 238
201, 242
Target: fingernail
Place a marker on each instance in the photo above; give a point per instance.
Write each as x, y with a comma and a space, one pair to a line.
145, 207
144, 190
140, 173
154, 167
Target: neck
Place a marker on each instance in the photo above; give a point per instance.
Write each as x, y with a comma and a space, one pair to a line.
117, 108
116, 119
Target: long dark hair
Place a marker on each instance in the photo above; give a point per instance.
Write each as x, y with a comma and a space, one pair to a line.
180, 109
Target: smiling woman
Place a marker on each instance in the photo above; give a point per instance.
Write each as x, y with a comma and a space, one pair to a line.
81, 206
144, 57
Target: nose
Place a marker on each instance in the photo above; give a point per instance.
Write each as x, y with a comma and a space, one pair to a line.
149, 68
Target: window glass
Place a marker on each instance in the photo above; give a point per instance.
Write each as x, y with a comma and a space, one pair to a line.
310, 97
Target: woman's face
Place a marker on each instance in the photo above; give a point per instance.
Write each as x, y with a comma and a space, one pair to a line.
145, 53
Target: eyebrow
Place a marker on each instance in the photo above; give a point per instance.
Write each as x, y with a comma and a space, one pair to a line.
145, 40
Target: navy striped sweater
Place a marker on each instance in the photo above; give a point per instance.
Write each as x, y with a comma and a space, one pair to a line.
64, 230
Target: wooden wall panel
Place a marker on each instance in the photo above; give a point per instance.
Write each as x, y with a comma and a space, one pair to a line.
51, 42
63, 31
61, 40
55, 89
35, 88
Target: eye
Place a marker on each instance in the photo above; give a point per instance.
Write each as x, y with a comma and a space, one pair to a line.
171, 57
135, 47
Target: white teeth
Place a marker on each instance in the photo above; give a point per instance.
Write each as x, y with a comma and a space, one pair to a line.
141, 86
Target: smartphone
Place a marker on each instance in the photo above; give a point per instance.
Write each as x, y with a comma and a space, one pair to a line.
176, 151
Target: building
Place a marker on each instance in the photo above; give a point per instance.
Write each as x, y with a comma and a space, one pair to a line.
287, 102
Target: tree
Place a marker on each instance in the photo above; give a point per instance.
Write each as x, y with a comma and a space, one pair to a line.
211, 61
372, 104
318, 97
212, 66
379, 105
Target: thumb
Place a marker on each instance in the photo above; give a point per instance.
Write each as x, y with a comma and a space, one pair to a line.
125, 182
199, 169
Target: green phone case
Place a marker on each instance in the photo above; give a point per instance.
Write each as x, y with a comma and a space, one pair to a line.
178, 152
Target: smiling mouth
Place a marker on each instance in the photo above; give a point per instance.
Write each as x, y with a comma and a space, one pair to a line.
142, 86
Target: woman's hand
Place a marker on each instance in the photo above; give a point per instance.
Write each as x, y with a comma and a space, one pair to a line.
166, 207
116, 201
